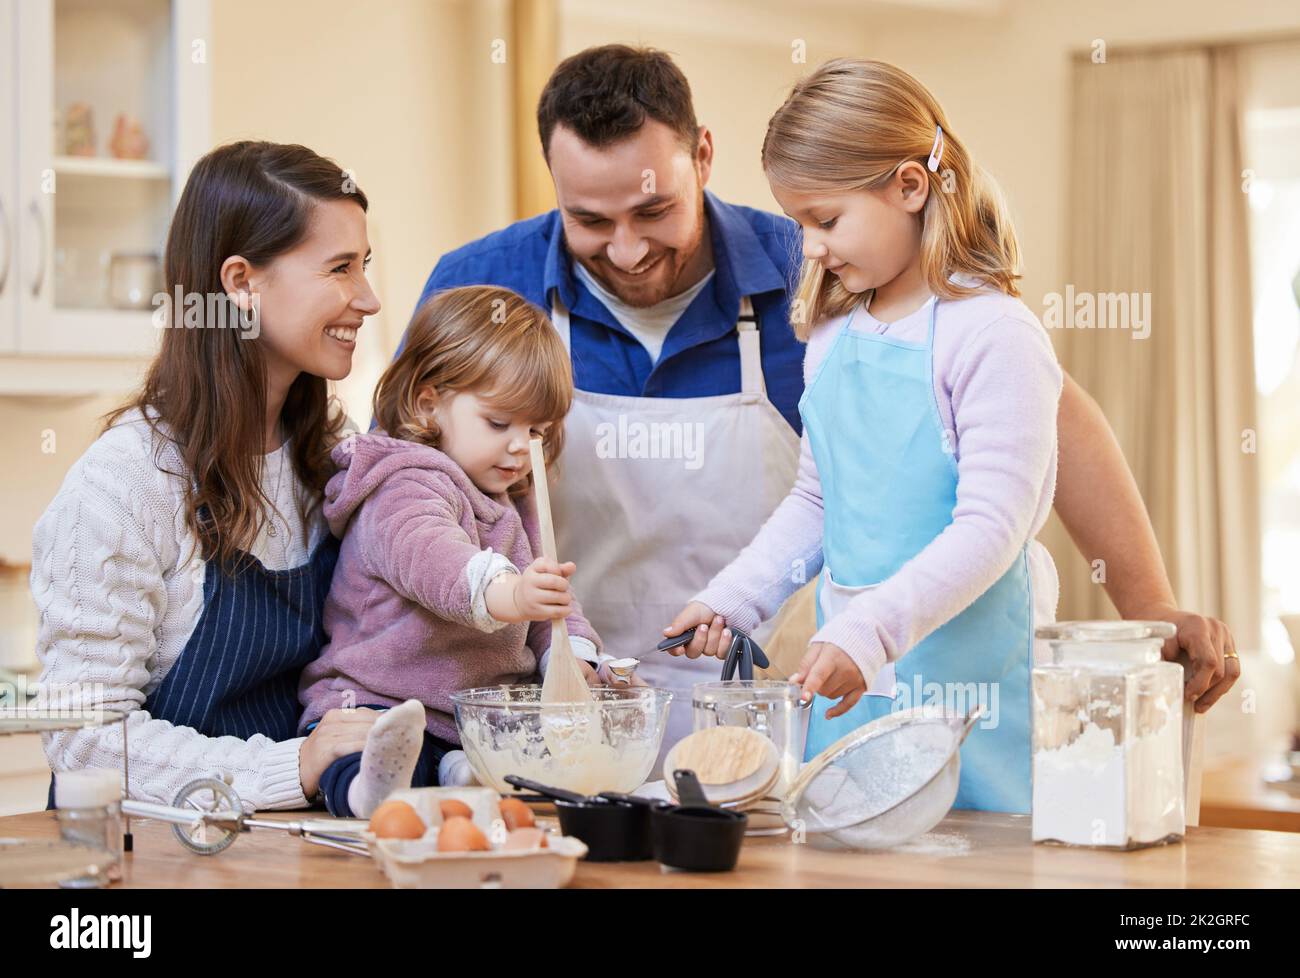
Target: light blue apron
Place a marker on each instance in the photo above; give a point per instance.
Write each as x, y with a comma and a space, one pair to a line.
889, 484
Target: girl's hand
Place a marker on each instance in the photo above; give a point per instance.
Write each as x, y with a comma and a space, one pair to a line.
829, 671
339, 733
712, 636
541, 592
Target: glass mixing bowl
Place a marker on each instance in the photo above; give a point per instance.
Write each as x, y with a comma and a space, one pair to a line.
608, 745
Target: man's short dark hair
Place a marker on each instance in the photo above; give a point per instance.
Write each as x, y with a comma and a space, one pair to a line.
605, 94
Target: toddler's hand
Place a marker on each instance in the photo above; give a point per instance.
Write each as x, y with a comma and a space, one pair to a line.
607, 678
542, 590
712, 636
827, 669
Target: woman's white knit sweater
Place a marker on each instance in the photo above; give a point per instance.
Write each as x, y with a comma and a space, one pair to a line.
118, 580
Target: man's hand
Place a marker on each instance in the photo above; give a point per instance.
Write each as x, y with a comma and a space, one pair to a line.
1201, 647
831, 672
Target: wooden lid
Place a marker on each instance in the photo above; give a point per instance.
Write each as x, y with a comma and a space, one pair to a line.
733, 764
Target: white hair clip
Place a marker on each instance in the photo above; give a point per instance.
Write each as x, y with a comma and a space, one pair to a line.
936, 151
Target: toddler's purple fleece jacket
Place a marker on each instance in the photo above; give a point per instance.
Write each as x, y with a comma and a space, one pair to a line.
399, 615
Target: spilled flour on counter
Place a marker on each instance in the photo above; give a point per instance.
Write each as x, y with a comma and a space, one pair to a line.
936, 844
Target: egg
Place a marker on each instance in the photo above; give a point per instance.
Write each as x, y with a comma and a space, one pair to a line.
396, 820
459, 834
452, 807
526, 838
516, 814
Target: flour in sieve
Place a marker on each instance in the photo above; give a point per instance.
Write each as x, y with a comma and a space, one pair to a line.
873, 779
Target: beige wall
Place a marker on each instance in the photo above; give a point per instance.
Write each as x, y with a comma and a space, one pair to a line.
405, 93
392, 91
999, 68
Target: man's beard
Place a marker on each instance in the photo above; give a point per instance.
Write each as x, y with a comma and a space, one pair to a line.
663, 283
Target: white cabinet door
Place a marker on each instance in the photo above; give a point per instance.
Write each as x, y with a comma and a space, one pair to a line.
9, 209
36, 186
64, 219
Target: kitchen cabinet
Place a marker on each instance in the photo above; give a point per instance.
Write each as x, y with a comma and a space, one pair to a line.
8, 183
79, 80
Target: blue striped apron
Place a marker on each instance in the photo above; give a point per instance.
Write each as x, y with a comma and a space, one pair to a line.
238, 673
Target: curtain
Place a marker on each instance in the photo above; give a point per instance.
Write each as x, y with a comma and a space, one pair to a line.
533, 56
1156, 208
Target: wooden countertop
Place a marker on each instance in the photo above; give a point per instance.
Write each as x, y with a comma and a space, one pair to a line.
967, 849
1235, 795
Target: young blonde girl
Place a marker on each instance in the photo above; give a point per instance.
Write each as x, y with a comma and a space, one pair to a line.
439, 585
929, 444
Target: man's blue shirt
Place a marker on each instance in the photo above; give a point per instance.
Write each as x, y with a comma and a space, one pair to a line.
755, 253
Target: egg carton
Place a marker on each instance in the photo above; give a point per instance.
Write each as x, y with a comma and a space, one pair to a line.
417, 863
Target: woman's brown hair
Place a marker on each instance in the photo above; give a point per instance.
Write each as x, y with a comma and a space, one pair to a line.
207, 384
849, 126
486, 340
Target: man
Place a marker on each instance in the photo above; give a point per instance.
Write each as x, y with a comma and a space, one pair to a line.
685, 428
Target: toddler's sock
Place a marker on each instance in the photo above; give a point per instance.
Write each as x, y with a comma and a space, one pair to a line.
388, 760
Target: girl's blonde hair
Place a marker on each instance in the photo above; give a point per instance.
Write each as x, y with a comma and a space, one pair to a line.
849, 126
486, 340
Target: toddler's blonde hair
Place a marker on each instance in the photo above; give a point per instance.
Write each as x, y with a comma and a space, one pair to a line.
486, 340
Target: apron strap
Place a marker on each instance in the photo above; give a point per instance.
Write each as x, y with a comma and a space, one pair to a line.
560, 317
751, 360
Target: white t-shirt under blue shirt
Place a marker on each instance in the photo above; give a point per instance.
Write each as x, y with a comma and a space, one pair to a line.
649, 324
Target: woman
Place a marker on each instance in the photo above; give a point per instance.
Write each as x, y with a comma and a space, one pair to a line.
181, 570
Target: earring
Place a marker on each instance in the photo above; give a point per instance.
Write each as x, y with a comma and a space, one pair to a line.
250, 317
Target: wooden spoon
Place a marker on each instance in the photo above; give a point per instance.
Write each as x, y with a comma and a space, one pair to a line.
563, 682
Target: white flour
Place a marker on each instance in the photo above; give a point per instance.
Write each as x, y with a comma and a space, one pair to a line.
880, 774
936, 844
1093, 792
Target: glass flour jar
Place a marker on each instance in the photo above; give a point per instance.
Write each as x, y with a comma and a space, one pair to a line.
1107, 737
